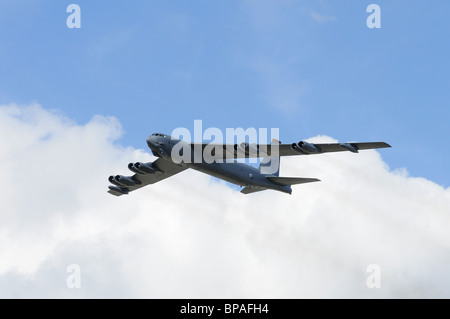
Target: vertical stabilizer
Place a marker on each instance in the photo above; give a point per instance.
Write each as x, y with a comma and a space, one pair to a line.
270, 165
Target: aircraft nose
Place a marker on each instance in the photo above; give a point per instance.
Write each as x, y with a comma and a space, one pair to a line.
151, 140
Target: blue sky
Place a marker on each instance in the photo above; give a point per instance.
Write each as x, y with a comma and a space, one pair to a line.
306, 67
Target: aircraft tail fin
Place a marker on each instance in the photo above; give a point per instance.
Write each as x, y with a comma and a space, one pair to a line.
270, 165
287, 181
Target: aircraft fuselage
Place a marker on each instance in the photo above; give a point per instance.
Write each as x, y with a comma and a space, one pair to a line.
235, 172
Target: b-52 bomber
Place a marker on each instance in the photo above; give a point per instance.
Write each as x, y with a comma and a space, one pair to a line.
220, 160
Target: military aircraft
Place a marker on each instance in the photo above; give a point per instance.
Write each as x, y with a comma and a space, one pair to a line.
220, 160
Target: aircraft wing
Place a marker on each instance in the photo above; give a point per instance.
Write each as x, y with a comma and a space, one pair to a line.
159, 170
286, 150
245, 150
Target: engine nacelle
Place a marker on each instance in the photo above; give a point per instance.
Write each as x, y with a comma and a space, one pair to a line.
247, 148
122, 181
252, 148
141, 168
146, 168
244, 146
305, 147
133, 168
349, 147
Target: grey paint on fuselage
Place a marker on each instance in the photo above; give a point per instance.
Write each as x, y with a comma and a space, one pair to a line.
219, 160
235, 172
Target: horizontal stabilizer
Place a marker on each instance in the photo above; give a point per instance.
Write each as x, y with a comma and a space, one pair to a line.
252, 189
287, 181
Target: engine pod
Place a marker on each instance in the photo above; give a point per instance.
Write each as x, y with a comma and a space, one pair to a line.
349, 147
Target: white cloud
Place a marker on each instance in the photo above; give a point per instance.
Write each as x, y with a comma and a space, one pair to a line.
193, 237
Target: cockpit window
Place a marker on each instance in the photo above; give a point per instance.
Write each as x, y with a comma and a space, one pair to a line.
158, 134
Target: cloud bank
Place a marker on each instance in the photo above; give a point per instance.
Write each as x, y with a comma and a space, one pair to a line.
191, 236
